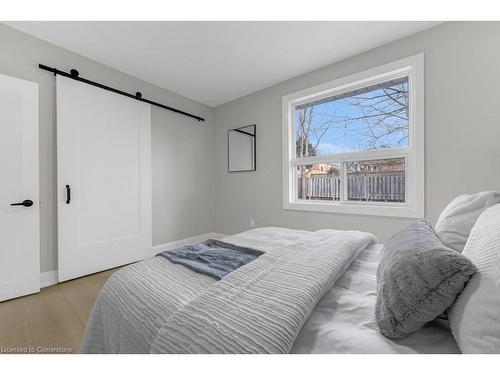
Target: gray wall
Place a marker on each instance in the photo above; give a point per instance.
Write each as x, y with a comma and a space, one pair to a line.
182, 160
462, 119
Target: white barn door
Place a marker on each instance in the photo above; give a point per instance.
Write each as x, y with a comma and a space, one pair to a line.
104, 179
19, 201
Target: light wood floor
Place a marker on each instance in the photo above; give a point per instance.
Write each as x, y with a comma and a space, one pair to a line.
53, 318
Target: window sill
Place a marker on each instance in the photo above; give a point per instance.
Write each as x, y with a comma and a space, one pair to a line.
356, 208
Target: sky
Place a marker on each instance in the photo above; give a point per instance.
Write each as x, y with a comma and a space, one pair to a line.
343, 136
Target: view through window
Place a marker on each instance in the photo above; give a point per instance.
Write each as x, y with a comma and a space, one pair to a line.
371, 118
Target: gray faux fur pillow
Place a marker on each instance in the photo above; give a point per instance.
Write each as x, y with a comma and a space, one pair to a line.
418, 278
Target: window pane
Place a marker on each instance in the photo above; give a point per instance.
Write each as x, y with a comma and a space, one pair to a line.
319, 181
381, 180
374, 117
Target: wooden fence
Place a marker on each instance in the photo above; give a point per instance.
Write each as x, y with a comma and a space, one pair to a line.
375, 187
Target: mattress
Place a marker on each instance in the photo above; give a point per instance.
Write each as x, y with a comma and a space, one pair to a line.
344, 319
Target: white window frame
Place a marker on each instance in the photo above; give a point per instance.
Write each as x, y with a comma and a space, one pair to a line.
413, 68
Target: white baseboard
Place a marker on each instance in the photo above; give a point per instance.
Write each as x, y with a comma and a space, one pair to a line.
50, 277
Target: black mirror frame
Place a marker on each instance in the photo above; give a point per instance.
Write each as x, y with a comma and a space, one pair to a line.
254, 147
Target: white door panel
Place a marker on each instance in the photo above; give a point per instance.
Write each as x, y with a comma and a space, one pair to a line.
104, 155
19, 225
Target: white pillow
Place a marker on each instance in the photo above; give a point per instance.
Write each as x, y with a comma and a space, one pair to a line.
475, 315
458, 218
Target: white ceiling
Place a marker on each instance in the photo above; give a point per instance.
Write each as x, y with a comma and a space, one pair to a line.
216, 62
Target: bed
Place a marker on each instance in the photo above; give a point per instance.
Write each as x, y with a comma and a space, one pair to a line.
140, 300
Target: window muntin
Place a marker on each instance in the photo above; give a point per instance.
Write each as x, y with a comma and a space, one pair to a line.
396, 137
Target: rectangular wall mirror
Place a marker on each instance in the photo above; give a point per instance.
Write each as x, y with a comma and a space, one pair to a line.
241, 149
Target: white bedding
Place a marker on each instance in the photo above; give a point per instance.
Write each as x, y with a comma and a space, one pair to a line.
344, 319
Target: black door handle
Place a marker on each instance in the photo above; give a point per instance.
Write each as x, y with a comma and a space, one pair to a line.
25, 203
68, 194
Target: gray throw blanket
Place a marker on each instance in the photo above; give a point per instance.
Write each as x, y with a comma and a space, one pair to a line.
212, 257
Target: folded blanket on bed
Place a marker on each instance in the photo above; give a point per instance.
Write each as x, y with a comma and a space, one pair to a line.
212, 258
260, 308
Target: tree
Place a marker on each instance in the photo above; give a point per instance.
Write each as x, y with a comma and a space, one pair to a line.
303, 145
310, 129
385, 112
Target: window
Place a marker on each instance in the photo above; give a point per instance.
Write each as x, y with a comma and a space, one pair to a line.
355, 145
